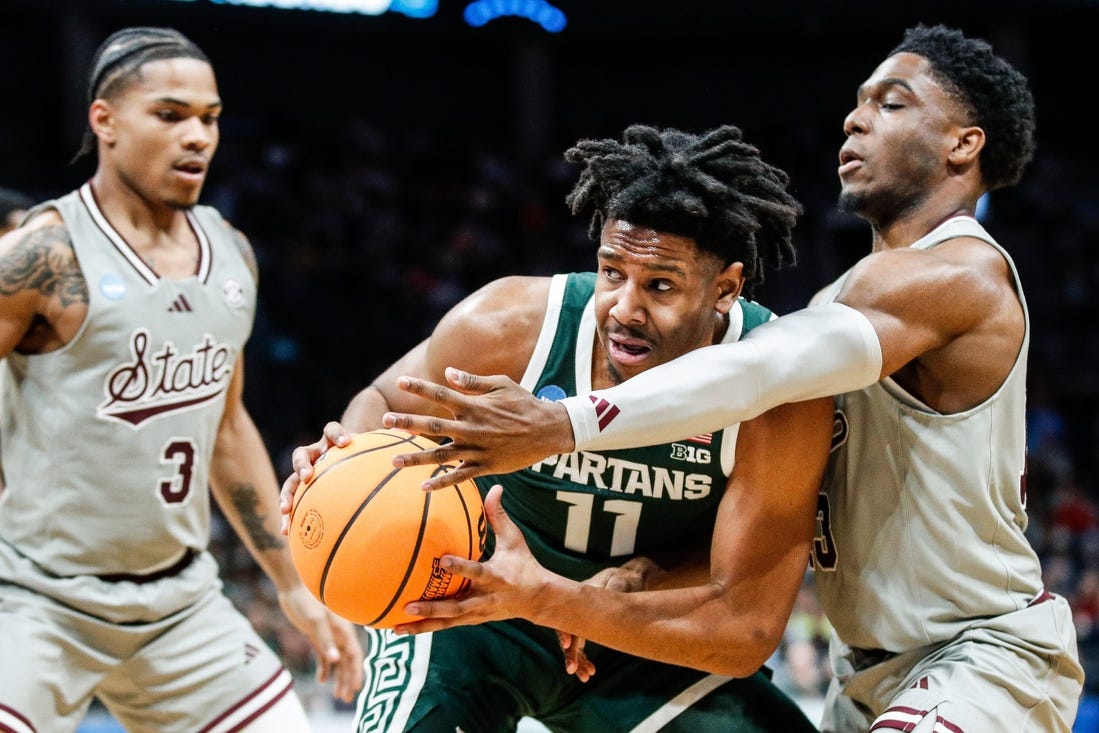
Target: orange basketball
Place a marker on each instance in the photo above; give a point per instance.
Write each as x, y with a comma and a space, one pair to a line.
366, 539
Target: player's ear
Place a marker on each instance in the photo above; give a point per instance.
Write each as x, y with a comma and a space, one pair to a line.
102, 121
729, 283
968, 144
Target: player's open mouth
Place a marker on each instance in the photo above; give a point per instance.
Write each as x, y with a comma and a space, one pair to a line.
632, 351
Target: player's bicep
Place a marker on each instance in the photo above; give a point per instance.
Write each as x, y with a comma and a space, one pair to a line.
428, 360
916, 301
766, 518
415, 363
493, 331
36, 266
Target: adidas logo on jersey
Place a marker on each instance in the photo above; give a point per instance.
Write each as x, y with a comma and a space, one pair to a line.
180, 305
605, 411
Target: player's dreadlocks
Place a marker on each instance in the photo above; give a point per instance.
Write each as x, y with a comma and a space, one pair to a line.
994, 93
713, 188
119, 59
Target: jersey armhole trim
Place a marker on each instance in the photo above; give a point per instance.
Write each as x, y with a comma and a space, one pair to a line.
544, 345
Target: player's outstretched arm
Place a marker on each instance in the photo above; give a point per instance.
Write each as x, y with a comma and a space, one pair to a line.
497, 427
243, 481
895, 306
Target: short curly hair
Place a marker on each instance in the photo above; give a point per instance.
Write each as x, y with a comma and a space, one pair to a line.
713, 188
995, 94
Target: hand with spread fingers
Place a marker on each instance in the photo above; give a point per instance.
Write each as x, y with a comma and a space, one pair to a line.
503, 587
497, 426
507, 586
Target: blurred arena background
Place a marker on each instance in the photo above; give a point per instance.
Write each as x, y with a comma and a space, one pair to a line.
385, 165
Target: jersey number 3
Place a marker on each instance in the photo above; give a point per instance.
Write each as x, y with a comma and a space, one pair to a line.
181, 453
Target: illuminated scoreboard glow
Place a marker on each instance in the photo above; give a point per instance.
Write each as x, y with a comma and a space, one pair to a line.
411, 8
477, 13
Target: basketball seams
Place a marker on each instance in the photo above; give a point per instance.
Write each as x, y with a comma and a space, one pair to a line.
469, 518
470, 525
338, 570
349, 524
412, 560
398, 438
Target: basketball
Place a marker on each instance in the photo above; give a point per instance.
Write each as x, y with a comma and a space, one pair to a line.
366, 539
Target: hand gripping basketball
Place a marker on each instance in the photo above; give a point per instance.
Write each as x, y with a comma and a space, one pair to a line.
366, 539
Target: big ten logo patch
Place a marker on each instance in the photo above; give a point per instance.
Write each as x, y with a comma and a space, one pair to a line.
691, 453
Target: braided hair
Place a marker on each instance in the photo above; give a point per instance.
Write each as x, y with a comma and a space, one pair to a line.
119, 59
993, 93
713, 188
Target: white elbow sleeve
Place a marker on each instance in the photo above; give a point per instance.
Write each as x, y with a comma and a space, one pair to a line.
815, 352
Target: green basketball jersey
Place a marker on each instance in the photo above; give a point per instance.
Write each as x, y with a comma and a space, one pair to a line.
581, 512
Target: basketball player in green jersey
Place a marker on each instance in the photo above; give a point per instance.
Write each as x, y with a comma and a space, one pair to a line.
684, 223
124, 310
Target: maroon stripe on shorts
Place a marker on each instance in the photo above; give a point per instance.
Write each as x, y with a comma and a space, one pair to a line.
1044, 596
18, 716
271, 680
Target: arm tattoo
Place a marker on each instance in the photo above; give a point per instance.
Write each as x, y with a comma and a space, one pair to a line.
44, 260
245, 500
246, 251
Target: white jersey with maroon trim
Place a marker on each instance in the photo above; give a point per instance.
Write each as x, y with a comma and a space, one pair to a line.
922, 515
107, 441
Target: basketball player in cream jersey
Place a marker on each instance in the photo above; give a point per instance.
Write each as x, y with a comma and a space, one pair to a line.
683, 222
947, 491
124, 310
941, 620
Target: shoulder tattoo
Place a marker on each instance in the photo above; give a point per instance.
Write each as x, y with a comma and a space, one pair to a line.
44, 260
246, 251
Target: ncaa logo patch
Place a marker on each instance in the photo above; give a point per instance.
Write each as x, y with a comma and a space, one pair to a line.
112, 286
551, 393
233, 292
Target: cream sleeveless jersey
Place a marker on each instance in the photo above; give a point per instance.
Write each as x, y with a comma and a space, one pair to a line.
583, 511
107, 441
921, 516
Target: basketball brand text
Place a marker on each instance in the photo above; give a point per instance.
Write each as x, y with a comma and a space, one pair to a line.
438, 584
